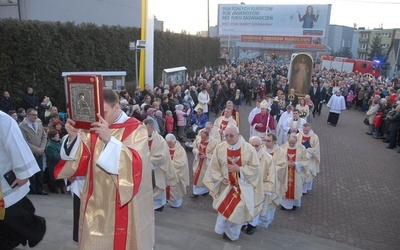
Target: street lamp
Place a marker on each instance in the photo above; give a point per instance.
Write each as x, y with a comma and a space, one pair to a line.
138, 45
208, 18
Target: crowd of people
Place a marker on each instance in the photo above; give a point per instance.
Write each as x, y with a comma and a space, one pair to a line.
248, 178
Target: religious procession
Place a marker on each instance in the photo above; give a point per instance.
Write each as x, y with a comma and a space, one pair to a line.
156, 132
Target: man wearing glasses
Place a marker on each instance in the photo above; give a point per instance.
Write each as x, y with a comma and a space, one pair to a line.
222, 122
233, 181
310, 141
297, 162
268, 181
280, 163
34, 134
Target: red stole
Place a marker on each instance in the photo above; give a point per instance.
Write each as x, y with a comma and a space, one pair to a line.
223, 125
305, 138
202, 150
168, 188
230, 202
291, 157
149, 143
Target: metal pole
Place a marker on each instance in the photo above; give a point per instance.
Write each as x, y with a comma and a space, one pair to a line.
19, 10
208, 18
136, 68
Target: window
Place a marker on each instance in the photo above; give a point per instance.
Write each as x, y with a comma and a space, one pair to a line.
363, 46
363, 65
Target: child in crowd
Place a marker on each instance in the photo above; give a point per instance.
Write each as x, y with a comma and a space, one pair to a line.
169, 121
349, 99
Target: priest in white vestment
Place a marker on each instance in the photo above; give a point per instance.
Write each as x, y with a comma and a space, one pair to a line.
163, 173
281, 135
114, 158
293, 125
233, 180
253, 113
310, 141
280, 163
203, 149
297, 173
268, 181
180, 163
223, 121
18, 222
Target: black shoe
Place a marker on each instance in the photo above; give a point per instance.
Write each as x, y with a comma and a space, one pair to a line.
243, 227
38, 233
294, 208
385, 141
282, 208
206, 194
250, 229
368, 133
160, 209
194, 196
225, 237
42, 193
389, 147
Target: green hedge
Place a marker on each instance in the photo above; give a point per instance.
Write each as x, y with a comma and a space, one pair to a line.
34, 53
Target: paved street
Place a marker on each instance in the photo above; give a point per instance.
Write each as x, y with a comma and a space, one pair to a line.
353, 204
355, 198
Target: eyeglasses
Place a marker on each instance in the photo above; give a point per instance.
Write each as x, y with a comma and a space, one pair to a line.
229, 135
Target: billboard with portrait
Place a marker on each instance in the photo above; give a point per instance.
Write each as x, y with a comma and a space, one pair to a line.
295, 24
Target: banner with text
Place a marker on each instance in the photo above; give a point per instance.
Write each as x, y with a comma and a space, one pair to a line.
299, 24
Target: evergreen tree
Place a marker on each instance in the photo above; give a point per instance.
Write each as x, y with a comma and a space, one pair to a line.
344, 52
376, 48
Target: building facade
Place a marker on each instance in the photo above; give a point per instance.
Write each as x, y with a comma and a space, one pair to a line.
126, 13
366, 38
340, 37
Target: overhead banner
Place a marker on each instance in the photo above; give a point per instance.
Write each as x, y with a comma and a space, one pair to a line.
274, 23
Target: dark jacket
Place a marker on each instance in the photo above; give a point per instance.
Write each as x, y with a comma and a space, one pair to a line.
394, 124
31, 101
52, 156
6, 104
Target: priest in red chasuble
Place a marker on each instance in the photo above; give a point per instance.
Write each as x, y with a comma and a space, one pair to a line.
203, 149
310, 141
233, 181
297, 161
181, 166
116, 203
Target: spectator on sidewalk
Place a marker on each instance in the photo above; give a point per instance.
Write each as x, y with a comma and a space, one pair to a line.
34, 134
